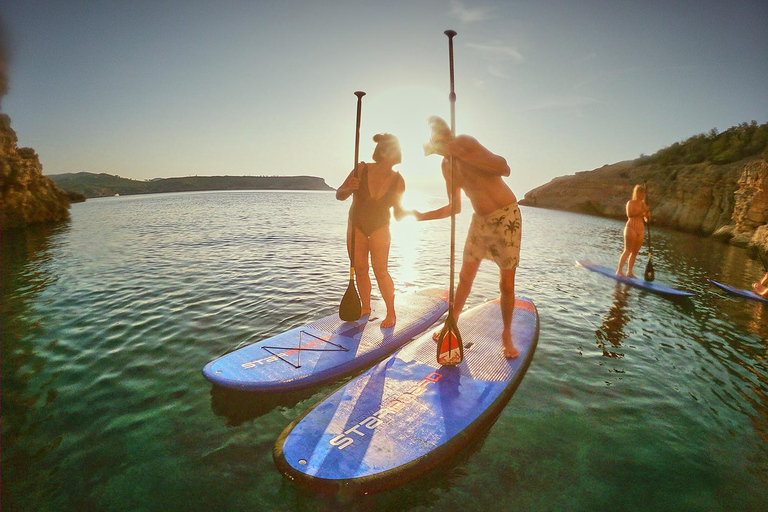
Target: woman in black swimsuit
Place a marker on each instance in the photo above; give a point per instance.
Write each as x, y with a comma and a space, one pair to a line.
375, 189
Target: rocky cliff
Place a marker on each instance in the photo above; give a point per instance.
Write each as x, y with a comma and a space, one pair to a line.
26, 196
729, 201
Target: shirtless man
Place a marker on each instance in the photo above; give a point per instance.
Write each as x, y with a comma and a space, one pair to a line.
496, 225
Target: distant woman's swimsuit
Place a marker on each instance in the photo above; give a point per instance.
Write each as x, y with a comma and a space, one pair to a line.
369, 214
636, 225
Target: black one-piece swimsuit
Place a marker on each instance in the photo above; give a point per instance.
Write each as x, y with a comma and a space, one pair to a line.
370, 214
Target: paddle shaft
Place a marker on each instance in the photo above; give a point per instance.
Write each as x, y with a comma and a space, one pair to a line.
648, 224
350, 307
649, 274
450, 348
359, 95
452, 99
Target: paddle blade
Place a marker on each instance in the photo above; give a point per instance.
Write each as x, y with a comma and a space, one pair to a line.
649, 275
350, 307
450, 350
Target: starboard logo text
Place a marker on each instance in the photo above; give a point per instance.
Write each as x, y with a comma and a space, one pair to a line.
370, 423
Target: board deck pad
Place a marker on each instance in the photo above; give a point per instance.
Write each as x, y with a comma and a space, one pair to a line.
639, 283
326, 349
402, 417
749, 294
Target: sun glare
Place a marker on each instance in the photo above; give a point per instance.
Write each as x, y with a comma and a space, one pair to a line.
403, 112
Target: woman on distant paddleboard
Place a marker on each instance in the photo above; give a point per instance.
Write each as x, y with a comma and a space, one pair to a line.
375, 188
638, 214
761, 287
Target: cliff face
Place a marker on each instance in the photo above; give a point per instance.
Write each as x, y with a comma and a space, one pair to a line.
26, 196
729, 201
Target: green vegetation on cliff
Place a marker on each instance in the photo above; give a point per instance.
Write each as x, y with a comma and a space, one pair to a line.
736, 143
26, 196
100, 185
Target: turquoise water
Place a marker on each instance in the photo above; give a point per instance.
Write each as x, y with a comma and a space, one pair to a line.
632, 402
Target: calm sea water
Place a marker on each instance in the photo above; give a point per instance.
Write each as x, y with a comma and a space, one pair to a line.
632, 402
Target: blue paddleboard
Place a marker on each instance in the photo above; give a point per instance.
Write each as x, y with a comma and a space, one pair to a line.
736, 291
639, 283
326, 349
408, 414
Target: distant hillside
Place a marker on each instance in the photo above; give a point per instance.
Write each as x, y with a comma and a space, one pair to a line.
715, 183
101, 185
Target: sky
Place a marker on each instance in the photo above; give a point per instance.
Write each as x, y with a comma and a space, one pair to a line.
149, 89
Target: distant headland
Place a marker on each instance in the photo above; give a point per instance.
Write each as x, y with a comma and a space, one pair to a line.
713, 184
103, 185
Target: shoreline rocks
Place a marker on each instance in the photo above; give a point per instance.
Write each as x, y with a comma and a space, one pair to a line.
26, 196
728, 202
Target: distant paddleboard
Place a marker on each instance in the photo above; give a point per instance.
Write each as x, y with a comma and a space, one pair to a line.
736, 291
326, 349
407, 414
639, 283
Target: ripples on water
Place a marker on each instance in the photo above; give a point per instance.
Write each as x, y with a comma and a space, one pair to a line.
632, 402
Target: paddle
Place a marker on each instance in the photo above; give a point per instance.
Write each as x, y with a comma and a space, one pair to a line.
350, 307
450, 350
649, 275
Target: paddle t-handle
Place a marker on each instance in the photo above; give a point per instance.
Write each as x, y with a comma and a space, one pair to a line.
350, 307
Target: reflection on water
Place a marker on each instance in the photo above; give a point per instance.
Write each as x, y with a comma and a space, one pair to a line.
28, 394
611, 330
107, 321
241, 406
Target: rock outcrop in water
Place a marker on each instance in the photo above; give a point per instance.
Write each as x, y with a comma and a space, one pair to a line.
26, 196
728, 201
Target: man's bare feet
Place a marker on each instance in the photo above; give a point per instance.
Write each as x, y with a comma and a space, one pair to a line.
436, 334
620, 273
389, 321
364, 312
630, 274
510, 351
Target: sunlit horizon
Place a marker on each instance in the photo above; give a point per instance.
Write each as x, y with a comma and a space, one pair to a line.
182, 89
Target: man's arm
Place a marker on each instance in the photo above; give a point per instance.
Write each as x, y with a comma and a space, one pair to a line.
469, 150
443, 211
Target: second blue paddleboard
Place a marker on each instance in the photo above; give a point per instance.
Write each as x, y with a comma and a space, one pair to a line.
736, 291
633, 281
407, 414
326, 349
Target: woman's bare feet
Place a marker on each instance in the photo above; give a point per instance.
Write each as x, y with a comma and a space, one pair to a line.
620, 273
633, 276
389, 321
510, 351
364, 312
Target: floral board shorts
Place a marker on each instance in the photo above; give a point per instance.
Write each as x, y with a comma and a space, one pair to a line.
496, 237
